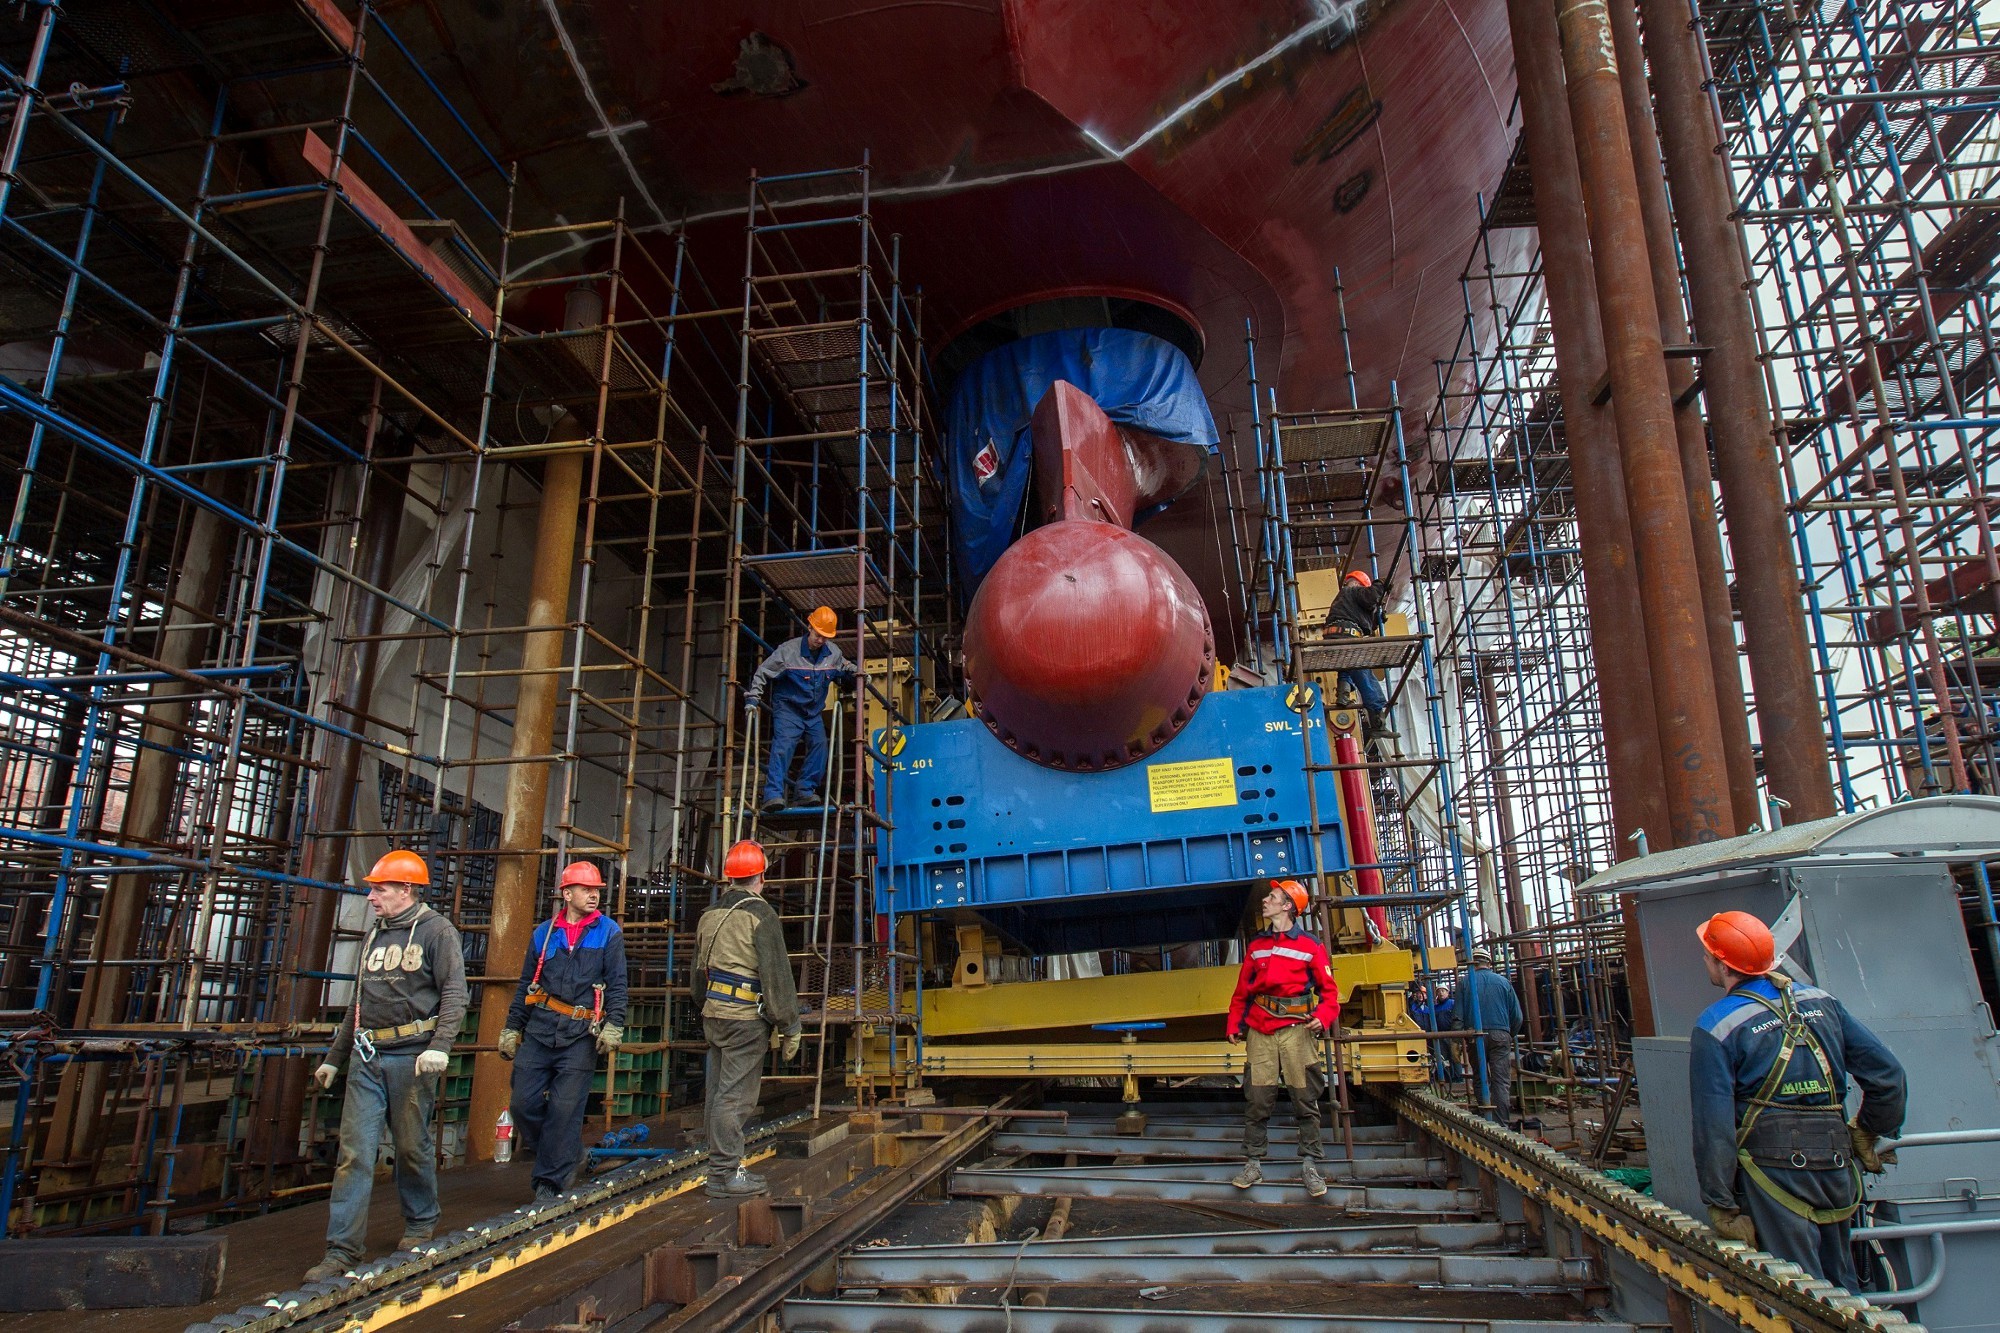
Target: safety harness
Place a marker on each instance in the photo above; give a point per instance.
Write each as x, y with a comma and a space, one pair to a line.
594, 1015
731, 987
1803, 1137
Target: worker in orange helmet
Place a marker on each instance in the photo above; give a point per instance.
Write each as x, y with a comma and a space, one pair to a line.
1779, 1164
568, 1009
1357, 614
796, 677
409, 999
1273, 1007
743, 974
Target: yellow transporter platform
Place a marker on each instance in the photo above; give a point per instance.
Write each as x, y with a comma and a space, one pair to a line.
1047, 1028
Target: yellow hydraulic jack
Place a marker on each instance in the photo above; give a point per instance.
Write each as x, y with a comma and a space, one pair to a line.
1132, 1120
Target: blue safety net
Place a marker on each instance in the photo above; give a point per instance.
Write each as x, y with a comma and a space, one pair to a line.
1139, 380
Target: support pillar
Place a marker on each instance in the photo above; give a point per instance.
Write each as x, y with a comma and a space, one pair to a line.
1746, 454
517, 880
147, 823
299, 998
1689, 429
1610, 579
1698, 802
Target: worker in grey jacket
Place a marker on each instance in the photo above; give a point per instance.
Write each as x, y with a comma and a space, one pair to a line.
796, 677
409, 999
744, 975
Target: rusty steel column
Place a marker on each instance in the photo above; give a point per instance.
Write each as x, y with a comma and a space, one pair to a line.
517, 880
1697, 781
1610, 580
1689, 428
149, 808
297, 997
1746, 453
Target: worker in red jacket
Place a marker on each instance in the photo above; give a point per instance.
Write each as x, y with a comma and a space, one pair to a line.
1274, 1006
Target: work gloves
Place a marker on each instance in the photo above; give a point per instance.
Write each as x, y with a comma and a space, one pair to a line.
788, 1044
509, 1043
325, 1075
1863, 1143
608, 1038
752, 701
1732, 1225
432, 1062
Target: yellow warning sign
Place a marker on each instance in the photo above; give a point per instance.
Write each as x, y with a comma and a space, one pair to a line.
1198, 784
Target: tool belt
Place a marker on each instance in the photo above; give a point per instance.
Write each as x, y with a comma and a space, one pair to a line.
730, 987
1799, 1138
1298, 1007
1343, 631
591, 1013
377, 1036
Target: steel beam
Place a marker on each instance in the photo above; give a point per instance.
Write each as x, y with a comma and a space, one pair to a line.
1059, 1183
1697, 780
1739, 413
1486, 1272
1336, 1166
1223, 1143
1604, 526
1456, 1236
517, 882
853, 1316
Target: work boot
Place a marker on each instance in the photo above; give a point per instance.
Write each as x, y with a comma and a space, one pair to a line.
1378, 727
546, 1193
740, 1185
811, 800
415, 1236
1315, 1183
333, 1266
771, 806
1251, 1174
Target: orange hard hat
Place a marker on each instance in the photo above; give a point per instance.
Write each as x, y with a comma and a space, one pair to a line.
1741, 941
1359, 576
824, 622
1295, 891
745, 861
400, 867
581, 873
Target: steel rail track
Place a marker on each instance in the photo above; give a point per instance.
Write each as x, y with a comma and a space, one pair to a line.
1757, 1290
396, 1286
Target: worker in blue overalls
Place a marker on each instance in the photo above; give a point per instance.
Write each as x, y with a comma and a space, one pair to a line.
796, 675
568, 1010
1779, 1164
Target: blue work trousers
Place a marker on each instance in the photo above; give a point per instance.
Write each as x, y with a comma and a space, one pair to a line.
1364, 684
383, 1093
791, 724
1821, 1249
551, 1085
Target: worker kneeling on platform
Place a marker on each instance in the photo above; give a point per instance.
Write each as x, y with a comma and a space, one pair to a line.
797, 675
1780, 1166
409, 999
1282, 968
568, 1010
745, 975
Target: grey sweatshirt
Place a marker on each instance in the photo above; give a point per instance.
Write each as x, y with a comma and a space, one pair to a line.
412, 967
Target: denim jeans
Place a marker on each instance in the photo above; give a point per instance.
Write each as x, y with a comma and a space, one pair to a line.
550, 1086
383, 1093
1373, 700
791, 725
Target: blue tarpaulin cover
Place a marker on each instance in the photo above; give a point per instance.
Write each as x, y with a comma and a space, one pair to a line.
1139, 380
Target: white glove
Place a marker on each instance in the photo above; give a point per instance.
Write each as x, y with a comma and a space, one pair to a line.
432, 1062
325, 1075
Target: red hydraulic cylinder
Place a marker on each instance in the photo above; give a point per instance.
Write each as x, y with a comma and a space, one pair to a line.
1362, 849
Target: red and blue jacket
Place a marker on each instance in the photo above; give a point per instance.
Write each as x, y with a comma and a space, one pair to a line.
571, 972
1283, 966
